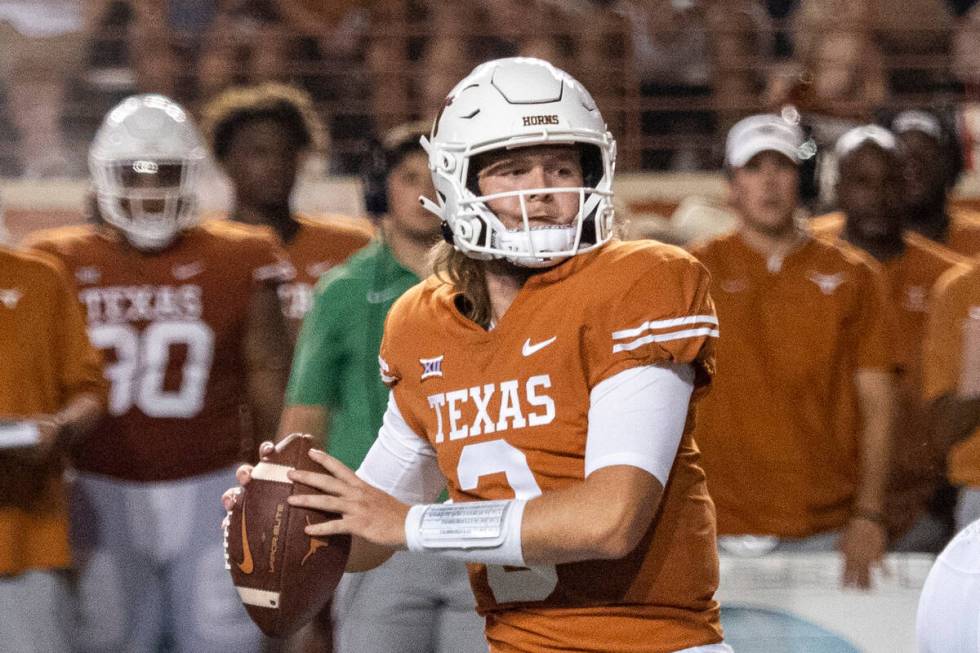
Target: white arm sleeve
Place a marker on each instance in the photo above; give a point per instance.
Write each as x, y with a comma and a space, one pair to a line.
636, 417
401, 462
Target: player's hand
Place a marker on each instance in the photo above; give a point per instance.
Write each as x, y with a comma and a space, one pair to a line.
48, 430
366, 512
243, 475
863, 546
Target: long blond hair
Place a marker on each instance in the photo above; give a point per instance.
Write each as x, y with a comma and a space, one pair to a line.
468, 276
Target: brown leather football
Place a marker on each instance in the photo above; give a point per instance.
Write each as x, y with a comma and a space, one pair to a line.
283, 576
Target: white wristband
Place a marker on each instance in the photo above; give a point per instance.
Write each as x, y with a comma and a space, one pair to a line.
487, 532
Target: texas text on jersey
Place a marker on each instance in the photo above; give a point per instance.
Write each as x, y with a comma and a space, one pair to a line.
170, 327
522, 432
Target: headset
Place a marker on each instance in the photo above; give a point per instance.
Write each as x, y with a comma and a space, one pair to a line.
382, 156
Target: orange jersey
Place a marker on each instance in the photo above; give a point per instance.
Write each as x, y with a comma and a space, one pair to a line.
952, 359
962, 238
507, 413
314, 249
171, 327
780, 431
47, 360
917, 462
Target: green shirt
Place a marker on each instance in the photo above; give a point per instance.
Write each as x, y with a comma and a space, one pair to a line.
336, 359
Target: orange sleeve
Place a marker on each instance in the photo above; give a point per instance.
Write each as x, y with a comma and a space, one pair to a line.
876, 328
79, 363
664, 315
942, 349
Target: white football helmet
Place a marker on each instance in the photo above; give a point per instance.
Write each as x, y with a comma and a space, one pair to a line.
512, 103
145, 163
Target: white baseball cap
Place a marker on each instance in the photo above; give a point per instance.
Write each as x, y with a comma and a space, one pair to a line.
762, 133
858, 136
919, 121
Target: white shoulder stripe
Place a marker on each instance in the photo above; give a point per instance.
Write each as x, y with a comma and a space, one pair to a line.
663, 324
663, 337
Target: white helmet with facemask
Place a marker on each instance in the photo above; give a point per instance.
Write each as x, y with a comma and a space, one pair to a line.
145, 163
514, 103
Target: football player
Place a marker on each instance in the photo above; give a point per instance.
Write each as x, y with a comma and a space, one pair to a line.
546, 373
261, 136
51, 394
195, 349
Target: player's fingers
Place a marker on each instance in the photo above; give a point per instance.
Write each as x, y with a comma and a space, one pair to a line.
335, 467
243, 474
864, 577
230, 497
322, 502
324, 482
318, 479
329, 527
266, 448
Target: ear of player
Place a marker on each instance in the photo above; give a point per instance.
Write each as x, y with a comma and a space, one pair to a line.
283, 576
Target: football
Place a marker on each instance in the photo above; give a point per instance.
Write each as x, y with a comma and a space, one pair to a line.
283, 576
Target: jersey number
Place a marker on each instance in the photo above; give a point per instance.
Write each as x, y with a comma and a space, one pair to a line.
137, 376
485, 458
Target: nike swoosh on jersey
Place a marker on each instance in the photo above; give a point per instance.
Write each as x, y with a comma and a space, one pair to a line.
187, 270
529, 349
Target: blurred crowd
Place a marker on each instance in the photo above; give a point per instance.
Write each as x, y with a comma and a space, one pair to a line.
671, 74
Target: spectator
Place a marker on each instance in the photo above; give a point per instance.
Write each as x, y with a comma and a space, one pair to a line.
795, 437
262, 136
931, 164
672, 58
255, 41
452, 46
836, 81
411, 602
869, 195
951, 378
195, 348
920, 29
51, 392
43, 44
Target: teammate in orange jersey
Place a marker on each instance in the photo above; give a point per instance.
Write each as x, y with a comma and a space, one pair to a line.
868, 194
195, 349
51, 394
261, 136
546, 373
952, 382
795, 436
